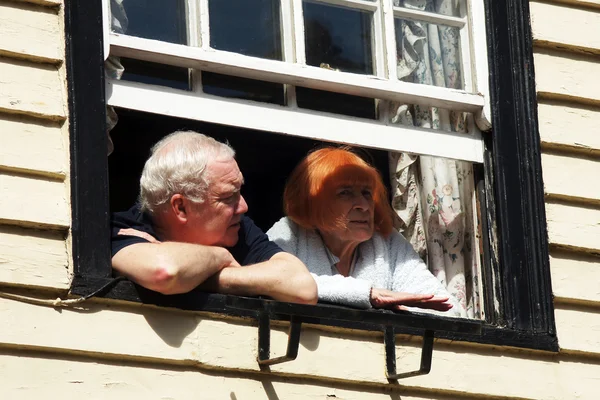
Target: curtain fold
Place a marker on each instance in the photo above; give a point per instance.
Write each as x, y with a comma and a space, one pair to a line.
434, 198
112, 66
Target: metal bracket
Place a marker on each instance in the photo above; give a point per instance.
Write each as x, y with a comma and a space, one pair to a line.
264, 340
389, 339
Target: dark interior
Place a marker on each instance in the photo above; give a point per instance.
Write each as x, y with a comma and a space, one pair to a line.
265, 159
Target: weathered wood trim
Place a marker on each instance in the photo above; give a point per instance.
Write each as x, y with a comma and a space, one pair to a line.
518, 187
87, 129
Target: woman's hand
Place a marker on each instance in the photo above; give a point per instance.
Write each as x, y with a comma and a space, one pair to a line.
382, 298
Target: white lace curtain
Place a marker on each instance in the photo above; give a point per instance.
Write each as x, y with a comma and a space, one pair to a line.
434, 198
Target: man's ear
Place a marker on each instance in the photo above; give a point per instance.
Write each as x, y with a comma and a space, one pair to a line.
180, 207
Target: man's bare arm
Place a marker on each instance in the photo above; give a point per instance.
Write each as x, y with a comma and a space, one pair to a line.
171, 267
284, 277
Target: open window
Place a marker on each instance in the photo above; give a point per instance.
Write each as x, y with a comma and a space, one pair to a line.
344, 71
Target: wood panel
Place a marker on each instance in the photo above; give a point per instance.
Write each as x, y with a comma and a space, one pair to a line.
34, 89
575, 276
47, 3
574, 227
571, 176
31, 32
33, 258
32, 145
578, 329
573, 76
192, 339
33, 201
33, 376
591, 4
569, 125
579, 27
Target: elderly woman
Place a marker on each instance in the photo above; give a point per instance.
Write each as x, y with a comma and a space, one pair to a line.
339, 223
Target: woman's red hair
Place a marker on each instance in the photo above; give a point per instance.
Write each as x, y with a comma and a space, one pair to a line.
312, 186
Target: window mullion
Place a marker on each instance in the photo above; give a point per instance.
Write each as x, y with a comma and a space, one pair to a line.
389, 43
481, 71
204, 24
193, 9
298, 26
465, 50
288, 42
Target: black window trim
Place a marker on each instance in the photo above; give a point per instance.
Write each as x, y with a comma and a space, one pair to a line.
517, 274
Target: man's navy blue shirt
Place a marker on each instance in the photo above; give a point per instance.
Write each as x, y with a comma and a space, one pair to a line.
253, 245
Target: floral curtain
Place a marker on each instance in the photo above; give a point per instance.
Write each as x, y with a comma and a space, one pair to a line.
112, 66
434, 198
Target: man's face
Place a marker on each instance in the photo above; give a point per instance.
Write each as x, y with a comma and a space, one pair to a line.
216, 221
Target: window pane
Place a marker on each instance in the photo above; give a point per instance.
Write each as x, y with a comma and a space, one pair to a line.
337, 103
249, 27
428, 54
338, 38
163, 20
155, 74
242, 88
445, 7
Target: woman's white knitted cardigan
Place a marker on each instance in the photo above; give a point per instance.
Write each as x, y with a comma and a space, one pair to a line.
385, 263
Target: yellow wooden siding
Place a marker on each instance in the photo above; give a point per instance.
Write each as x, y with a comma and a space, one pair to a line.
31, 88
569, 126
566, 175
30, 32
33, 201
166, 337
35, 375
34, 152
567, 64
33, 258
571, 76
32, 146
580, 27
111, 350
575, 276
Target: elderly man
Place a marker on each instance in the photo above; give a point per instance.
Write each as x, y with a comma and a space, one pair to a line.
189, 228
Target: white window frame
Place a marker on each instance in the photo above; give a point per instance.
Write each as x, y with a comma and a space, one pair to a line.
293, 71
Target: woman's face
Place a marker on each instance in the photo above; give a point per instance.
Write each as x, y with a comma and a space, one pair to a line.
353, 207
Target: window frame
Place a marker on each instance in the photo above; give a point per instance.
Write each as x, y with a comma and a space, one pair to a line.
293, 71
517, 272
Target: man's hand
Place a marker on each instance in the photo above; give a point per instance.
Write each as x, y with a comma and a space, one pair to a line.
382, 298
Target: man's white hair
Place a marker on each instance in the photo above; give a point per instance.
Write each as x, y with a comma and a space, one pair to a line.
177, 165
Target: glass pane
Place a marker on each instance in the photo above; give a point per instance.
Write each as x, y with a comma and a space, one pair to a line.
338, 38
155, 74
242, 88
445, 7
163, 20
249, 27
338, 103
428, 54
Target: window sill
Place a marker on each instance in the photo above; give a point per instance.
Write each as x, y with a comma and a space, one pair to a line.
403, 322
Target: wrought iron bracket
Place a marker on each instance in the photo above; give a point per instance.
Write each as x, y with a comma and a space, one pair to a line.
264, 340
389, 339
